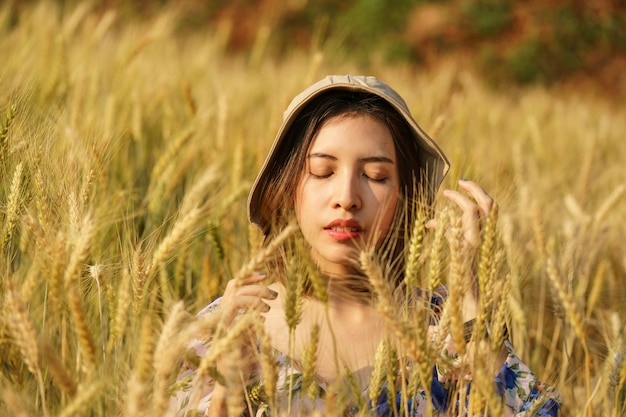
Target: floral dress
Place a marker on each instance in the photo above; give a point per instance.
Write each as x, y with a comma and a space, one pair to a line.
515, 382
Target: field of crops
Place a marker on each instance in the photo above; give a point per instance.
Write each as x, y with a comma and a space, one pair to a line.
127, 149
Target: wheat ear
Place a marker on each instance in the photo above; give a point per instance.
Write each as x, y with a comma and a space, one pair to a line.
175, 236
84, 398
59, 372
457, 283
138, 383
85, 338
138, 279
80, 252
415, 251
435, 265
162, 360
14, 403
575, 318
13, 206
120, 318
25, 336
4, 133
309, 363
387, 306
380, 371
264, 254
268, 364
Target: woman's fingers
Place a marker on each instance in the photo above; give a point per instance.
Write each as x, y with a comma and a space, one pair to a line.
246, 295
484, 200
475, 204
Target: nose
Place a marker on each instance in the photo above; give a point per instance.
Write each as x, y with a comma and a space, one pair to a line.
347, 193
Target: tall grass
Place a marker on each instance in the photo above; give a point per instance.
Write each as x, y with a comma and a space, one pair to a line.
126, 153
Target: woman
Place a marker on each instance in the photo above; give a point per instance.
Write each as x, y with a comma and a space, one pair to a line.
354, 169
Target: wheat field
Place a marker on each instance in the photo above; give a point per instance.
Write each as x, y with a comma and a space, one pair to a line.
127, 149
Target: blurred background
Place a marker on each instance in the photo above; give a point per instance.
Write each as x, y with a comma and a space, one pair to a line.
553, 42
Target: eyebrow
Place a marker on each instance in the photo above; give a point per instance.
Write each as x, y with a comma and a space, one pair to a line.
382, 159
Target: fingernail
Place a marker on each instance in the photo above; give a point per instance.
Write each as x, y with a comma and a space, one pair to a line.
463, 179
262, 273
266, 307
273, 293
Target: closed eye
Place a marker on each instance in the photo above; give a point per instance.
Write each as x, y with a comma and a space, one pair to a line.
322, 176
375, 180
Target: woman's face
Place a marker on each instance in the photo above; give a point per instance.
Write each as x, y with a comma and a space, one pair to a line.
349, 190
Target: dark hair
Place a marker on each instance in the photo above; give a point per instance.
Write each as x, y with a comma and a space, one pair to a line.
277, 204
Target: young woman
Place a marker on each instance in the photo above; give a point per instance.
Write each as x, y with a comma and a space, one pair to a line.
352, 166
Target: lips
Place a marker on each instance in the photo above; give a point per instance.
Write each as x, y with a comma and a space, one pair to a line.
342, 230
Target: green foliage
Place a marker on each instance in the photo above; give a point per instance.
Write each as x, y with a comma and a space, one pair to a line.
486, 18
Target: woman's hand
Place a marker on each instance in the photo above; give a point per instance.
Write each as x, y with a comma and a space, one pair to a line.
240, 295
245, 295
476, 205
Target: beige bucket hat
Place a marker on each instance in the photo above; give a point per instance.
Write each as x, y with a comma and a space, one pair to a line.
434, 162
